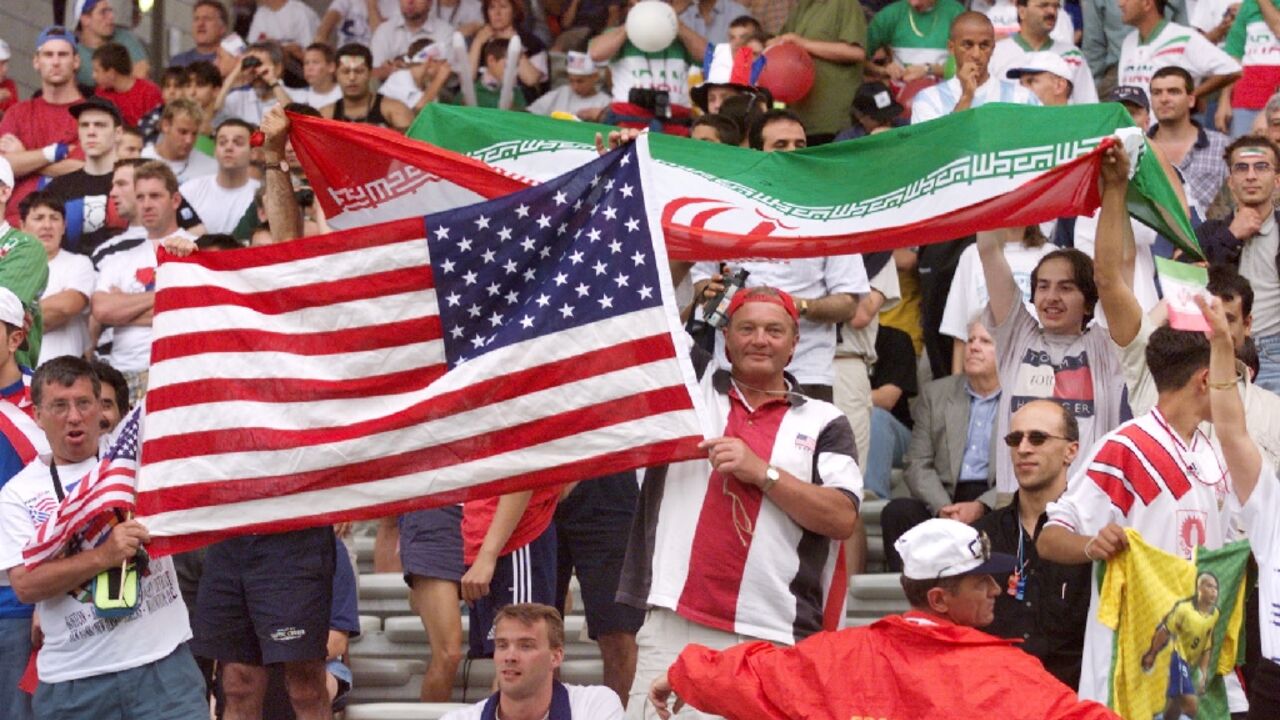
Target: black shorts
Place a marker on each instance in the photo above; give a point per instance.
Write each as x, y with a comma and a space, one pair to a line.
266, 599
593, 525
526, 575
431, 544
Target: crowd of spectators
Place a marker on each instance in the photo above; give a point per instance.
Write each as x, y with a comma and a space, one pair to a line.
909, 370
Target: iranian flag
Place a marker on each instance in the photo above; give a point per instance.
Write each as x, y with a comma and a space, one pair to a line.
996, 166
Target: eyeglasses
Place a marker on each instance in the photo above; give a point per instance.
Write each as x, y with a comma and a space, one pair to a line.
1241, 168
1035, 437
60, 408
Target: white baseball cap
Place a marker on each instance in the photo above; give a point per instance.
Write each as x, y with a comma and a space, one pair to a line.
579, 63
11, 310
4, 51
1038, 62
6, 173
940, 548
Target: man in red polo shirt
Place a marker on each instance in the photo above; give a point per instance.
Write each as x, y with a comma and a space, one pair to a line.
37, 135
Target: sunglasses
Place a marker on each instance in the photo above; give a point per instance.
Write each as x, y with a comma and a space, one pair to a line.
1035, 437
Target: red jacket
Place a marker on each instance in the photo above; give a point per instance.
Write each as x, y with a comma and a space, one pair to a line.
897, 669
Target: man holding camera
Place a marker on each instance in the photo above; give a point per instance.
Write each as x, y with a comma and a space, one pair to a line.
748, 548
255, 88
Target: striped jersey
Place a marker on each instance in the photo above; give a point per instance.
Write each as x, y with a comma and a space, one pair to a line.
1252, 43
1171, 44
938, 100
23, 442
717, 552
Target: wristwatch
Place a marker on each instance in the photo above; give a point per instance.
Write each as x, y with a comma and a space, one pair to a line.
282, 166
771, 478
804, 307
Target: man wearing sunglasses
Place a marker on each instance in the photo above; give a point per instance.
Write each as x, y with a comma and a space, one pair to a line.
1043, 603
905, 664
1158, 473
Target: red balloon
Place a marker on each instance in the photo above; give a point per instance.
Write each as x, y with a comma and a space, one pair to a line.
788, 72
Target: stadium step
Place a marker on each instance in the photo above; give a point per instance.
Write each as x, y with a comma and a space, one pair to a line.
400, 711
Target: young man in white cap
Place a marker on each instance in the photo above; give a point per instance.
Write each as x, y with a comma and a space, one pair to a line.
419, 83
581, 96
949, 579
1047, 75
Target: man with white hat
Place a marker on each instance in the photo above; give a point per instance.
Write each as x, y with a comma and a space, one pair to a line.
1037, 21
948, 570
1047, 75
581, 96
420, 83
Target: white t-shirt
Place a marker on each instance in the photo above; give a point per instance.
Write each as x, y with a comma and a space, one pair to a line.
244, 103
814, 361
1261, 519
219, 208
1186, 502
1013, 50
393, 37
354, 25
196, 165
1172, 44
1208, 13
564, 99
294, 22
78, 644
307, 96
968, 296
131, 269
588, 702
68, 271
399, 85
938, 100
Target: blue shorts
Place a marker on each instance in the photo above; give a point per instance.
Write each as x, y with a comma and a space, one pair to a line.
170, 688
431, 544
266, 599
593, 526
1180, 682
526, 575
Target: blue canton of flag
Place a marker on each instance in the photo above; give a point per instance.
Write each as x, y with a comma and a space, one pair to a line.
570, 252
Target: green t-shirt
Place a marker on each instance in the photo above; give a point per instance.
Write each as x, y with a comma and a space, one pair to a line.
826, 108
24, 269
914, 38
84, 75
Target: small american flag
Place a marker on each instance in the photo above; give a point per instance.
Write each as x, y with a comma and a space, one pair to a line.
526, 341
88, 512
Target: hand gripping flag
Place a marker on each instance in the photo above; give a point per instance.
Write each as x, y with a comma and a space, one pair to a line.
992, 167
522, 342
94, 503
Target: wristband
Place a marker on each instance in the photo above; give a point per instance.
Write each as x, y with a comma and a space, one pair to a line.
1224, 385
55, 152
1092, 540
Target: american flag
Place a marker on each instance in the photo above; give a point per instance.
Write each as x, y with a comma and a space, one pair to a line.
88, 512
526, 341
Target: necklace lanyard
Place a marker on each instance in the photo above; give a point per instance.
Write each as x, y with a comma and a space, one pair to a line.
57, 484
911, 19
1190, 467
1018, 579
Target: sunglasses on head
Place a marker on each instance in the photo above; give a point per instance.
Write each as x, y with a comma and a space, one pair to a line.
1035, 437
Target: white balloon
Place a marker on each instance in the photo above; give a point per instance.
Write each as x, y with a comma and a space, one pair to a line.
651, 25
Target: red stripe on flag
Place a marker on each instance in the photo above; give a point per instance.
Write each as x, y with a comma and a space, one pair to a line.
667, 451
1120, 496
492, 390
331, 342
287, 390
369, 236
1167, 468
301, 297
470, 448
17, 439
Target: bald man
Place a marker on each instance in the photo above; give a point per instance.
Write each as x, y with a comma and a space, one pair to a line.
972, 40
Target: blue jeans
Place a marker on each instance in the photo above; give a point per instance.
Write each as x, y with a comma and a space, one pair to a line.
1268, 363
15, 649
889, 439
